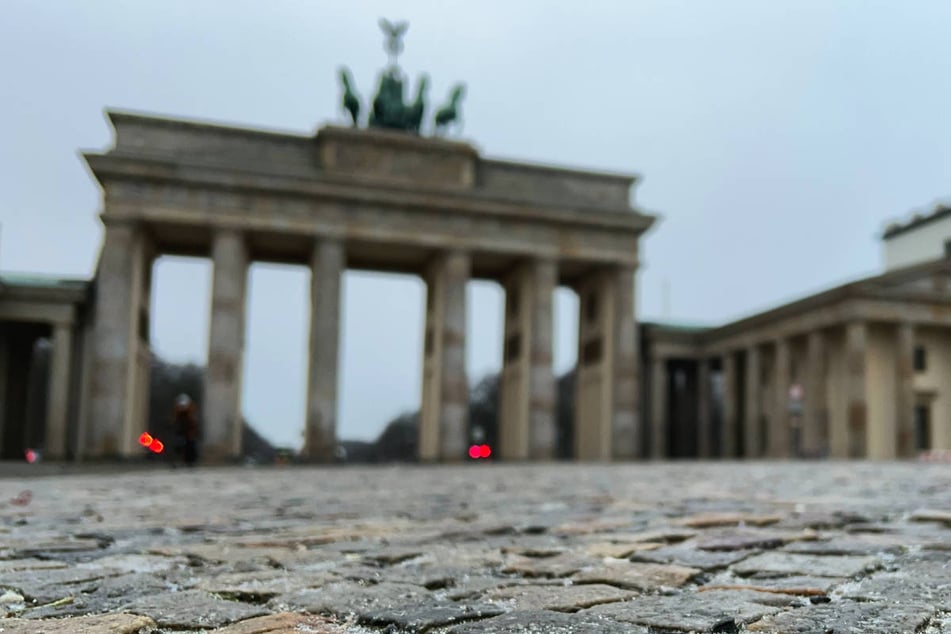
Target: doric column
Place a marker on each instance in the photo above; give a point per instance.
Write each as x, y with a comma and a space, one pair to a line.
625, 386
445, 407
659, 408
222, 406
905, 401
778, 433
814, 411
855, 348
119, 341
58, 399
606, 425
704, 432
527, 398
752, 443
326, 268
729, 414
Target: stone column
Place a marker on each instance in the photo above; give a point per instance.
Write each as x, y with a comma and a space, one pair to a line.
703, 408
327, 264
117, 340
814, 440
58, 399
729, 413
659, 408
625, 383
752, 443
778, 434
855, 349
527, 394
443, 428
905, 401
222, 407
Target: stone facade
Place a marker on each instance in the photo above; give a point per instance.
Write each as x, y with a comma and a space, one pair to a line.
859, 371
376, 200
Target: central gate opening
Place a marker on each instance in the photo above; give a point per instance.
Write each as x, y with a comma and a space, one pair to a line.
273, 399
381, 343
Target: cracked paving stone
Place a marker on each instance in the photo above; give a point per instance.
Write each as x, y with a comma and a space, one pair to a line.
135, 563
346, 597
684, 555
558, 598
848, 616
191, 609
780, 563
924, 579
46, 586
109, 594
637, 576
420, 617
545, 622
714, 611
284, 623
105, 624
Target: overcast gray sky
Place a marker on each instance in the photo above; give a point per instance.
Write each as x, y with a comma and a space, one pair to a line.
774, 138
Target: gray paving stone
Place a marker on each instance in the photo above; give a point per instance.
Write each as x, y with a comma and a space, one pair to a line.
420, 617
714, 611
191, 609
541, 622
559, 598
793, 564
692, 557
848, 616
347, 598
636, 575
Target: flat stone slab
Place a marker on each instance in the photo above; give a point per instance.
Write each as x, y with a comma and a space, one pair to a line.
191, 609
284, 623
541, 622
714, 611
561, 548
793, 564
559, 598
848, 616
637, 576
105, 624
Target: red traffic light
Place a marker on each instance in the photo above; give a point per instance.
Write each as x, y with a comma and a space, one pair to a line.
156, 446
145, 439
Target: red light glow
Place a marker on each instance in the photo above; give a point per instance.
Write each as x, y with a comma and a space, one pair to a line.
485, 451
156, 446
474, 452
145, 439
30, 456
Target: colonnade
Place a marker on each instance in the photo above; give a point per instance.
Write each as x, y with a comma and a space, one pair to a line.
857, 385
607, 399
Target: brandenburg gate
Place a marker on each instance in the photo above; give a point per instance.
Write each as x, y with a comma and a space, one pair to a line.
378, 198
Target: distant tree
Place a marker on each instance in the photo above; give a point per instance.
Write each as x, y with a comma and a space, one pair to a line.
398, 440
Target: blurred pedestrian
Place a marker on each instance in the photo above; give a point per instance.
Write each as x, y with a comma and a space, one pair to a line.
186, 431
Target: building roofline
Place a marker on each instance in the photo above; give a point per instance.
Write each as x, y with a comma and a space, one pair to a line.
918, 220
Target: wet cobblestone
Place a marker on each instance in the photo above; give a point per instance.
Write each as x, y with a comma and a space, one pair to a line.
691, 547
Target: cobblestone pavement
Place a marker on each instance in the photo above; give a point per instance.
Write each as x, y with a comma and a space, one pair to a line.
641, 548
